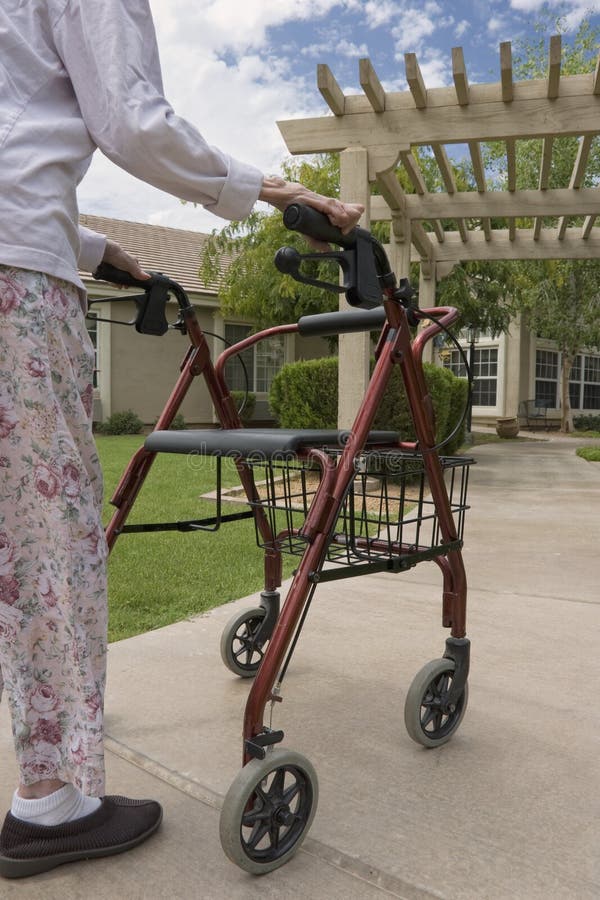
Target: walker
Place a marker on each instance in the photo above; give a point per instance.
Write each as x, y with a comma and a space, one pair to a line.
346, 503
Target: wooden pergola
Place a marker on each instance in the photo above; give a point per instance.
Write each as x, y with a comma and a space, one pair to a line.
375, 133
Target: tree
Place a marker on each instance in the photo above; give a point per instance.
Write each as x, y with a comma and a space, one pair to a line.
485, 293
563, 305
559, 299
250, 285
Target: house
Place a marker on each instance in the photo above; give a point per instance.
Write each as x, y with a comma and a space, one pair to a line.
519, 366
136, 371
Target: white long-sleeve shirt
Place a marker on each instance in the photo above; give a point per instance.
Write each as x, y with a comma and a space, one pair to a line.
76, 75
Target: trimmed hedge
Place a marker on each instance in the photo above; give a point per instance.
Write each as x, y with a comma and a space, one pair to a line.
587, 423
124, 422
305, 395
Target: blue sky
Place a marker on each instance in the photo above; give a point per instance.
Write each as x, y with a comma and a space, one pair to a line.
234, 67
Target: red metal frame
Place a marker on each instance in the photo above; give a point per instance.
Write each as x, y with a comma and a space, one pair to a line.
394, 348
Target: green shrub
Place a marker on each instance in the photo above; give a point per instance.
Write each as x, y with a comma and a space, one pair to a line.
178, 423
124, 422
305, 395
587, 423
248, 399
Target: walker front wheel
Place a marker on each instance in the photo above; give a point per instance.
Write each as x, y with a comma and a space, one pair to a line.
240, 650
268, 810
430, 720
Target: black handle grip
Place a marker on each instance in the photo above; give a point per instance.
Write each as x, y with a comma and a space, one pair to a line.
311, 222
106, 272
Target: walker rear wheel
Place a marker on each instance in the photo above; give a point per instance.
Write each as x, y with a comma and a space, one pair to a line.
268, 810
240, 651
430, 720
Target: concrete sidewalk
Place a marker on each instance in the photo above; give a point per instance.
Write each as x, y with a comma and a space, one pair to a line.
509, 808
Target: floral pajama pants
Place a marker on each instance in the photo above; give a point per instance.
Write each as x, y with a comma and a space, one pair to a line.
53, 610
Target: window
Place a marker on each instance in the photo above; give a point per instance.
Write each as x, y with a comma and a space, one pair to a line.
262, 361
485, 376
546, 377
485, 373
591, 382
584, 382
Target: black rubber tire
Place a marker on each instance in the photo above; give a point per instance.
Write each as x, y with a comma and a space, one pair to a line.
268, 811
427, 721
239, 652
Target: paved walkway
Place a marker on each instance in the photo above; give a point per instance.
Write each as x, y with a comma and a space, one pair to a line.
507, 810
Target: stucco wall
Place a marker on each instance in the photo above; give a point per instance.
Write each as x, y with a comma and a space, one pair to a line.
144, 368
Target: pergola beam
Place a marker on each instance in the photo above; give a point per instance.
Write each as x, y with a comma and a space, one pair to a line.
587, 227
583, 152
554, 58
330, 90
575, 112
371, 85
459, 74
415, 81
498, 204
577, 175
506, 77
548, 246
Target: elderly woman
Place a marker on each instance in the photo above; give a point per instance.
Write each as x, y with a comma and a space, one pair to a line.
75, 75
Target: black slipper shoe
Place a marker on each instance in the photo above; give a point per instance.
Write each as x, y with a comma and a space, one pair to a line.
116, 826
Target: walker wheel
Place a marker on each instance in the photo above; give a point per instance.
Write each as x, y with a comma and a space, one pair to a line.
268, 810
429, 719
239, 650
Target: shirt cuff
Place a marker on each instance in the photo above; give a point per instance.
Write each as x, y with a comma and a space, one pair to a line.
91, 249
239, 192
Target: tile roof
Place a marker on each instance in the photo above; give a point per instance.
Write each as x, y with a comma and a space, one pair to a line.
173, 251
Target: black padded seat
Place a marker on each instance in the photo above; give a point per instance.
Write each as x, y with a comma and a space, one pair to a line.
248, 442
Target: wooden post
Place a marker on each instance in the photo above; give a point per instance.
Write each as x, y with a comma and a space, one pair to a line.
400, 243
426, 301
354, 349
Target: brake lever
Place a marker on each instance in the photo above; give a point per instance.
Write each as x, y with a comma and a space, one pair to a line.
361, 283
288, 261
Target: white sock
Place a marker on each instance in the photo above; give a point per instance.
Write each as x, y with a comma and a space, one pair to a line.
64, 805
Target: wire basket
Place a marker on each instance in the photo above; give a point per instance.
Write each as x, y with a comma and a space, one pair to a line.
388, 512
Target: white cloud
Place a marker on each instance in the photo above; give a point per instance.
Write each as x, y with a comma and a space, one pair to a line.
235, 101
342, 48
571, 11
409, 35
234, 67
230, 24
495, 24
380, 12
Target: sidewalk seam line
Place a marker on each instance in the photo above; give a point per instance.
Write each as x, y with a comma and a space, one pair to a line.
337, 859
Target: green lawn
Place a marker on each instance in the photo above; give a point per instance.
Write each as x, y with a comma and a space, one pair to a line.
162, 577
592, 454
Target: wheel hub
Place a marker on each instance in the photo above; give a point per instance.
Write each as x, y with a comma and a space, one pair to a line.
284, 816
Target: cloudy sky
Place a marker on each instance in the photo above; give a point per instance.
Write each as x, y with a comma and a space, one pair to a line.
234, 67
